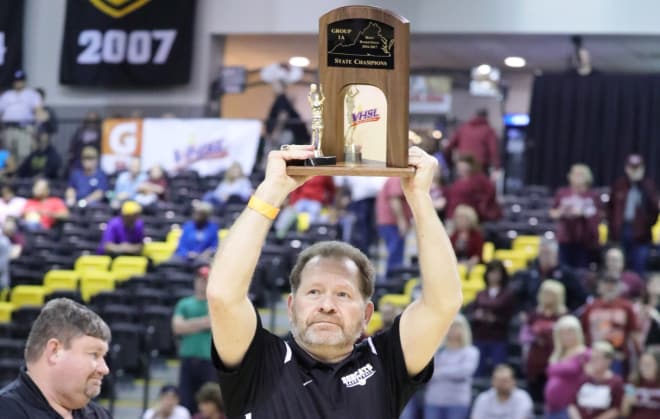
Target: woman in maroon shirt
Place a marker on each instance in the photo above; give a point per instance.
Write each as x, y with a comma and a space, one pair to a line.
642, 394
490, 314
467, 240
537, 335
577, 209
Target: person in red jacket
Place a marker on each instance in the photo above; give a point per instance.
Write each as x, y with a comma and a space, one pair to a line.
577, 210
477, 138
309, 198
490, 314
467, 240
632, 211
472, 188
612, 319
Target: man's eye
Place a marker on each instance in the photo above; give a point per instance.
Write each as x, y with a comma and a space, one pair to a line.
343, 294
313, 292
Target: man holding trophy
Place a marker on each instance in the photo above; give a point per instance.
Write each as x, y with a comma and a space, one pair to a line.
320, 369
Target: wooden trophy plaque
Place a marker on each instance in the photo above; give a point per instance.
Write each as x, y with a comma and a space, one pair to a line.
364, 80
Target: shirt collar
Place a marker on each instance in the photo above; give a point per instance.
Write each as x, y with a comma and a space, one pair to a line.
308, 362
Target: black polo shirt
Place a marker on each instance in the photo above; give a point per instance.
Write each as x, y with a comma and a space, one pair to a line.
22, 399
278, 379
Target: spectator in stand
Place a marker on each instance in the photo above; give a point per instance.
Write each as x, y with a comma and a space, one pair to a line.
235, 187
199, 238
649, 316
449, 392
7, 162
154, 189
5, 259
536, 335
168, 405
600, 390
578, 213
393, 218
566, 365
309, 198
632, 212
209, 402
45, 115
472, 188
631, 284
526, 283
43, 161
18, 107
642, 393
87, 186
10, 204
490, 314
612, 319
16, 238
42, 211
478, 139
467, 240
124, 234
358, 203
503, 399
87, 135
129, 181
191, 323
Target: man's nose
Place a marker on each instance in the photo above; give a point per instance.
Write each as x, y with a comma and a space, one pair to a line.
102, 367
327, 304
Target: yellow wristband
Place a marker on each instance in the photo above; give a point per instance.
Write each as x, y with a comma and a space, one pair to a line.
263, 207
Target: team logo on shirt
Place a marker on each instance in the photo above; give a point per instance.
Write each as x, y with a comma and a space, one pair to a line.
359, 377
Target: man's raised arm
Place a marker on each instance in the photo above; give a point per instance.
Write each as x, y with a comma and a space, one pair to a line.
426, 321
233, 319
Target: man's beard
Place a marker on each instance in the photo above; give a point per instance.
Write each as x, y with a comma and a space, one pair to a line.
311, 336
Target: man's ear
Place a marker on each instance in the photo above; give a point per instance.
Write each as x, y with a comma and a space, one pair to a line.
368, 312
53, 350
289, 305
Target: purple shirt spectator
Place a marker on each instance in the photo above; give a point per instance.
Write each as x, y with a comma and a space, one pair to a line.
117, 232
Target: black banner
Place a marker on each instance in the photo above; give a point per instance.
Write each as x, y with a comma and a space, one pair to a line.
11, 39
127, 43
362, 43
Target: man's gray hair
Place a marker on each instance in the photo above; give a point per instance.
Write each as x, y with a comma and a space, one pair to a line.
63, 319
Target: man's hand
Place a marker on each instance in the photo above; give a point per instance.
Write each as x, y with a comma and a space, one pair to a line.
419, 184
277, 184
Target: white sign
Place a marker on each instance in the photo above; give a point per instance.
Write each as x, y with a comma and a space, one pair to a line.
207, 146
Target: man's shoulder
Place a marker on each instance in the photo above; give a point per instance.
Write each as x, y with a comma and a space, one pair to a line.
12, 403
93, 410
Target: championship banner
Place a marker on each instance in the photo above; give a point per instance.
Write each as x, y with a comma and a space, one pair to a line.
207, 146
127, 42
11, 39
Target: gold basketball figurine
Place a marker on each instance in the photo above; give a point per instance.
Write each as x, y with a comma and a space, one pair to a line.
316, 99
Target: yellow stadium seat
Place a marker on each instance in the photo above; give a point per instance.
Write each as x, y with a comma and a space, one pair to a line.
603, 233
528, 245
92, 262
3, 294
159, 251
477, 271
399, 300
462, 270
410, 286
28, 295
5, 312
123, 267
303, 222
61, 279
93, 282
656, 233
375, 324
173, 236
468, 297
222, 234
487, 252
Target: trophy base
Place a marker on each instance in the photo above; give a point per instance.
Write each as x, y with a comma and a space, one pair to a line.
365, 168
314, 161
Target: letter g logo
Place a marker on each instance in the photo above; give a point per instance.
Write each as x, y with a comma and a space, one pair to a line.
123, 138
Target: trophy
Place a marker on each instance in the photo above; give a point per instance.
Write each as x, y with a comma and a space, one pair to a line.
360, 114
